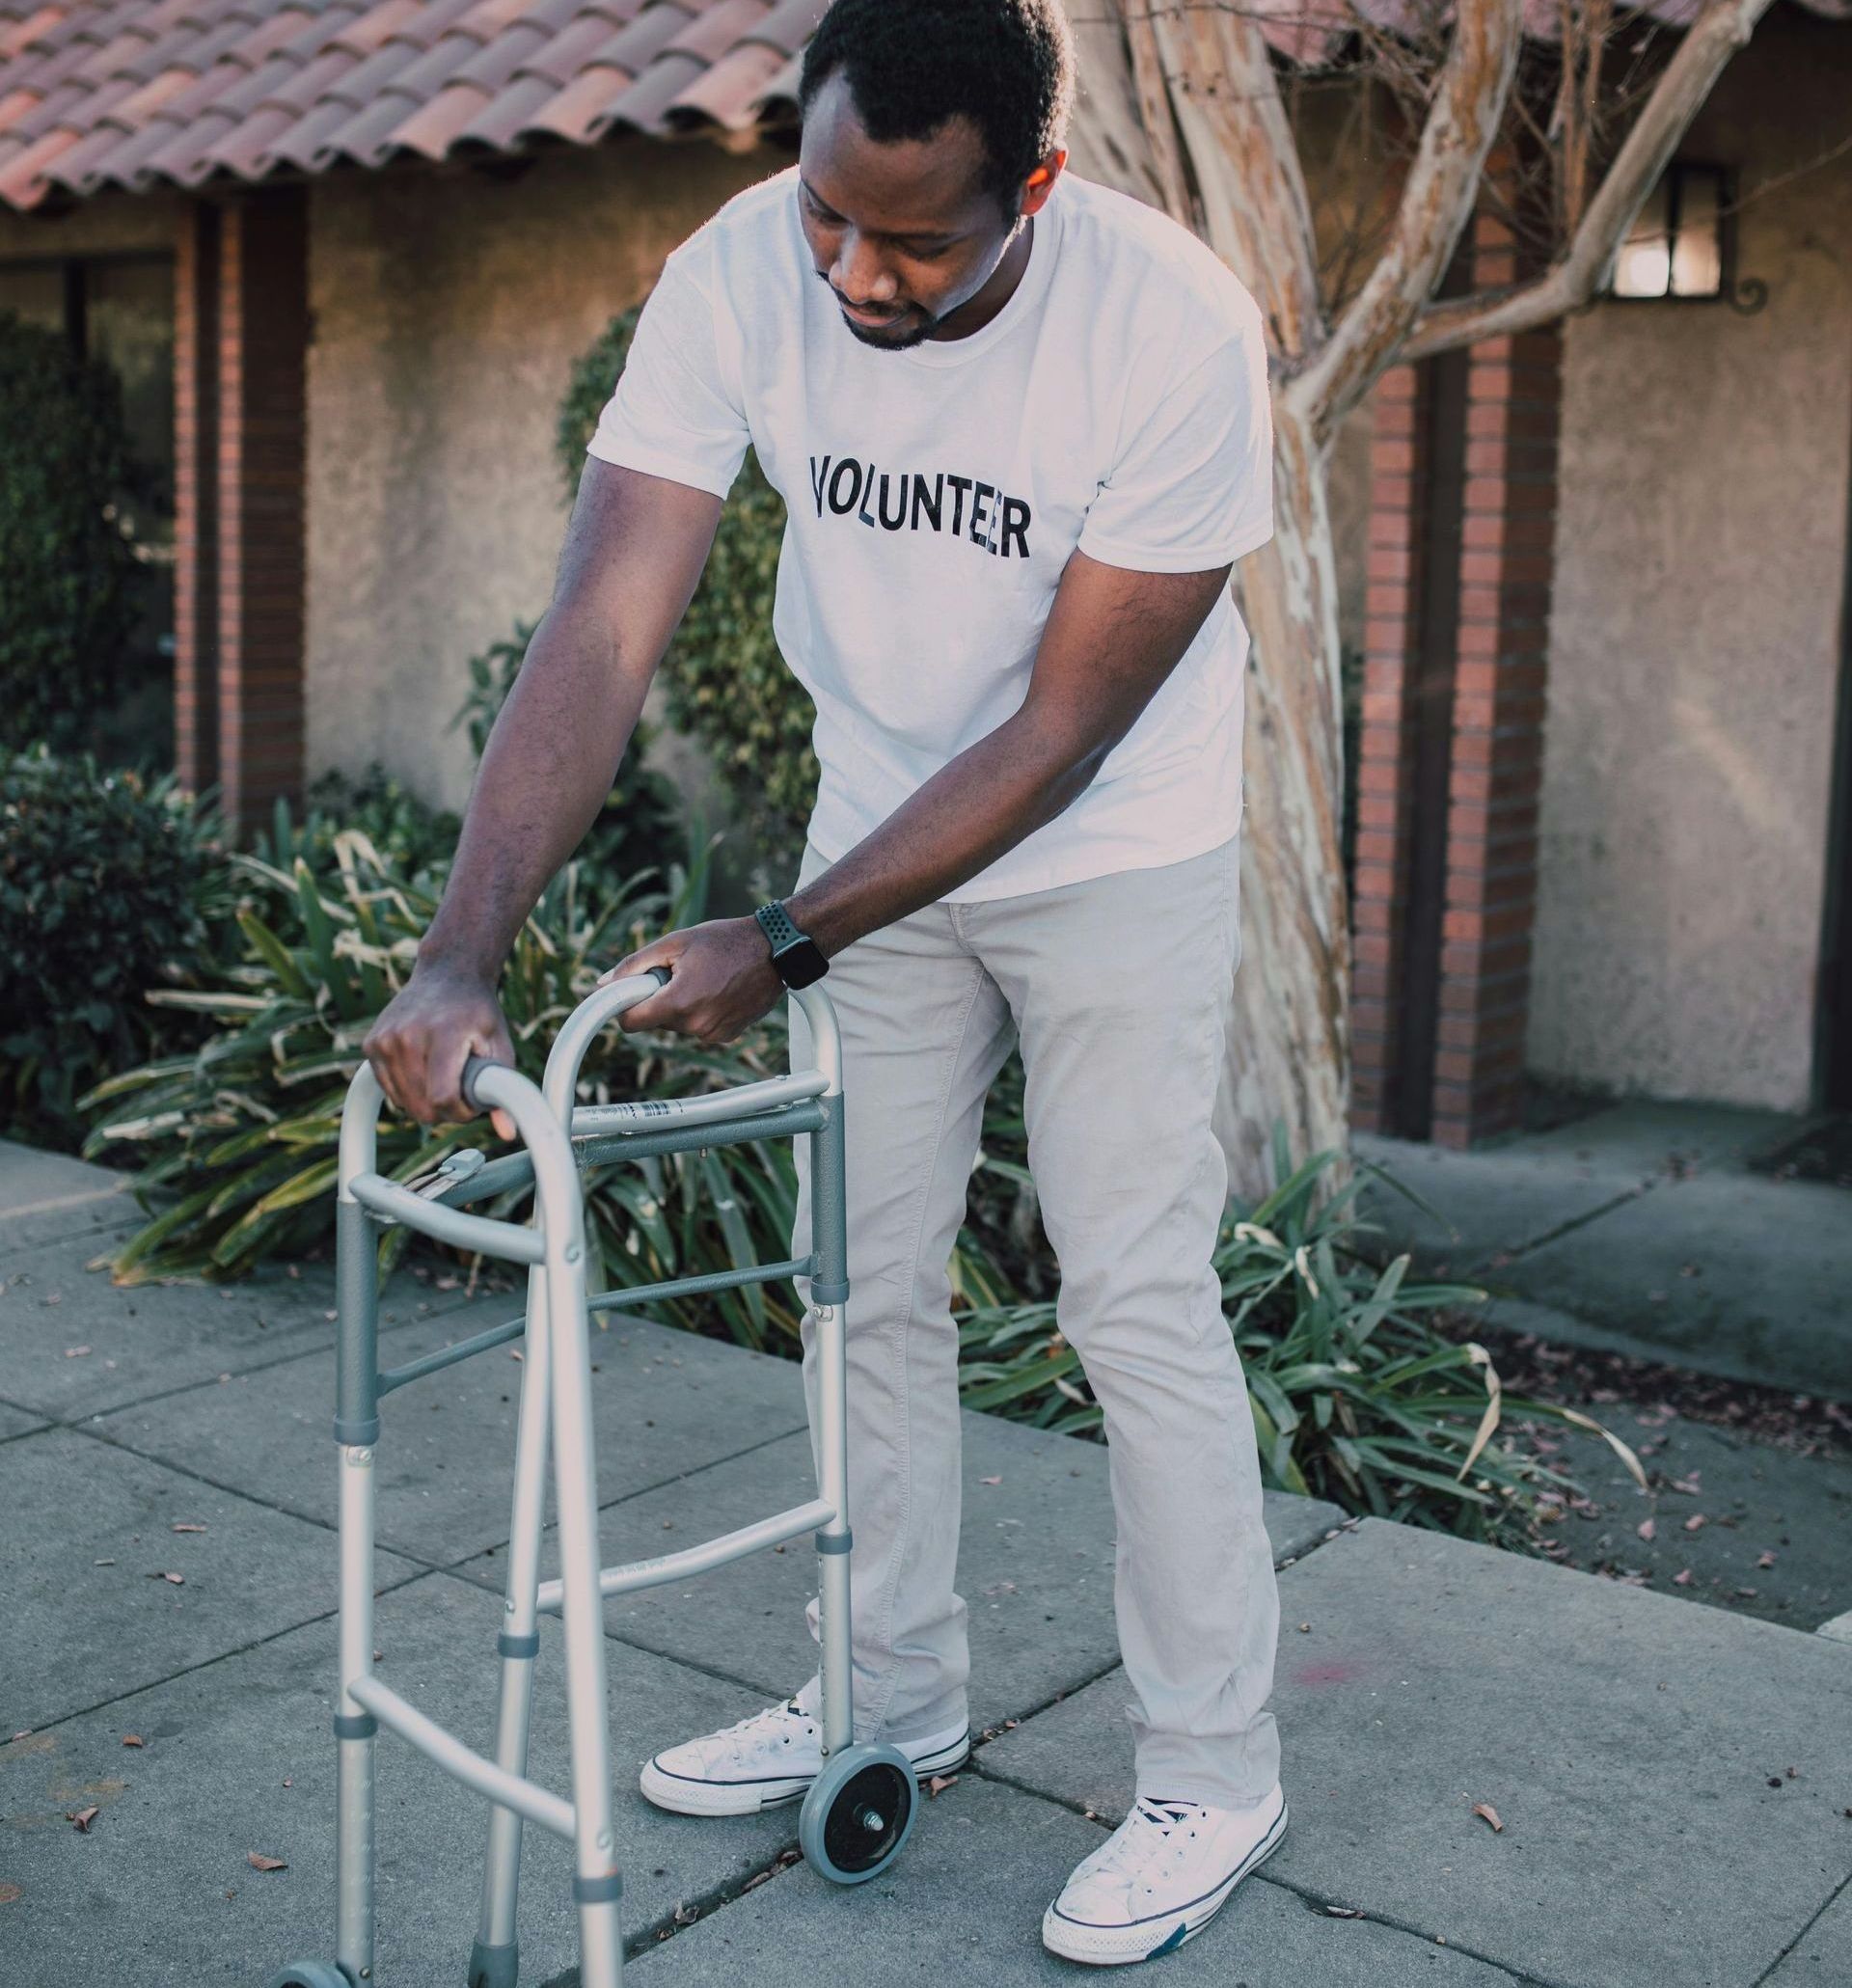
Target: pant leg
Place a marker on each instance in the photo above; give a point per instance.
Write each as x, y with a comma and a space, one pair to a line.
924, 1031
1121, 989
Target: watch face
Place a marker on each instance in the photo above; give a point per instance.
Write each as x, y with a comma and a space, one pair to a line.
799, 965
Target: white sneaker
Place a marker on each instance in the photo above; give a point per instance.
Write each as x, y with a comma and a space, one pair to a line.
1159, 1878
770, 1757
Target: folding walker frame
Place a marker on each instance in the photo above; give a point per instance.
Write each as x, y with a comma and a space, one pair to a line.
859, 1810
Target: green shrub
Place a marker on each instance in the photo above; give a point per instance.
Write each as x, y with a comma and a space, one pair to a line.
108, 887
1360, 1393
642, 813
69, 581
727, 685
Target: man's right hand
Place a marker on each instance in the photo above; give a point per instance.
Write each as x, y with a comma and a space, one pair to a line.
430, 1030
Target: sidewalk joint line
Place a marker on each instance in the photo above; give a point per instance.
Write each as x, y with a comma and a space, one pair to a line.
1580, 1221
222, 1656
1838, 1892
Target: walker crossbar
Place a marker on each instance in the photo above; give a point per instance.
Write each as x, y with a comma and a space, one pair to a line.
506, 1790
699, 1559
624, 1301
860, 1808
381, 1196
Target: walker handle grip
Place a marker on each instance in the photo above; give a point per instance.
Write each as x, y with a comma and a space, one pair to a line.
474, 1066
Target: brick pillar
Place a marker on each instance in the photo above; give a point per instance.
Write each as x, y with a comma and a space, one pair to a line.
196, 490
1462, 503
1385, 758
262, 357
1513, 395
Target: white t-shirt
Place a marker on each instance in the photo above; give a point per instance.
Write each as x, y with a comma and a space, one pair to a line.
1117, 403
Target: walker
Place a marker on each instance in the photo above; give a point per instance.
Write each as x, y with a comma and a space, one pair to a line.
858, 1812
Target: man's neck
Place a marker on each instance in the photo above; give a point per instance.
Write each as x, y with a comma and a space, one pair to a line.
976, 311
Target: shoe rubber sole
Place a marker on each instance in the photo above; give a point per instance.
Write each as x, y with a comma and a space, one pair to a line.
1108, 1946
684, 1795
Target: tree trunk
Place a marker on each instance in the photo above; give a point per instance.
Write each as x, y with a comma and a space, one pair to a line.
1290, 1040
1289, 1045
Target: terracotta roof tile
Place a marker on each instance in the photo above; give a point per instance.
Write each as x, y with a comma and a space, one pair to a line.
138, 93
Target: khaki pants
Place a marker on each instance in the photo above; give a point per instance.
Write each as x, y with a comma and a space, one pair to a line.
1118, 989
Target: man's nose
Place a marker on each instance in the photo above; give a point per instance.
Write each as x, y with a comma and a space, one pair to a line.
859, 274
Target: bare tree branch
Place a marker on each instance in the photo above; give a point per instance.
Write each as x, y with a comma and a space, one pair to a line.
1437, 203
1257, 215
1710, 43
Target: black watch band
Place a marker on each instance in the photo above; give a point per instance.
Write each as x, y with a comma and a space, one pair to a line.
796, 956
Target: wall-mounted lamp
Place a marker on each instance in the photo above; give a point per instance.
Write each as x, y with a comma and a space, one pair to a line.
1683, 243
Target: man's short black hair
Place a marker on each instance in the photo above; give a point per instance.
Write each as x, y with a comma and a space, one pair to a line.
1006, 65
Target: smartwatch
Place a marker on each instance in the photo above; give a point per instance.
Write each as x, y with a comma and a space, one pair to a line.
796, 956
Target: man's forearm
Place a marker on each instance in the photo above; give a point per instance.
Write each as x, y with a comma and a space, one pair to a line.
973, 809
544, 775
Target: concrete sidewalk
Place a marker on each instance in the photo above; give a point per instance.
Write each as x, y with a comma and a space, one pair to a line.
1643, 1229
1675, 1782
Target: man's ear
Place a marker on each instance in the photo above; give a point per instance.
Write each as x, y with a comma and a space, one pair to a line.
1040, 183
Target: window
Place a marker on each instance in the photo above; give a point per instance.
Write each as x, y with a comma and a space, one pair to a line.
120, 309
1682, 243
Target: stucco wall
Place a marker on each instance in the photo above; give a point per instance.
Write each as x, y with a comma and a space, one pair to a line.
447, 310
112, 222
1701, 560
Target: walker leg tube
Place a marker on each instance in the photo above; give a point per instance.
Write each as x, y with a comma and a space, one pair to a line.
355, 1430
828, 1293
596, 1886
495, 1957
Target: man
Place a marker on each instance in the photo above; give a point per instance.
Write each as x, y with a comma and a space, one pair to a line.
1021, 426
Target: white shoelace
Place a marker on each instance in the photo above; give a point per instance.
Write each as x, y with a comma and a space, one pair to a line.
1131, 1851
768, 1726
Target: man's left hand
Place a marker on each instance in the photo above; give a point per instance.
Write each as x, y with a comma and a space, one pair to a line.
721, 981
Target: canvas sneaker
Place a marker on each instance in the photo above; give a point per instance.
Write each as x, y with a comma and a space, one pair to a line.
770, 1757
1159, 1878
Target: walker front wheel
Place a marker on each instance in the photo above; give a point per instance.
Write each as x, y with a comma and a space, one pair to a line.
859, 1813
311, 1974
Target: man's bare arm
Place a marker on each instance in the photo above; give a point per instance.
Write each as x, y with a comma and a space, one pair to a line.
1112, 637
633, 555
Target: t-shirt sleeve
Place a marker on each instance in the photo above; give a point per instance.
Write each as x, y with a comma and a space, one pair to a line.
1193, 485
673, 413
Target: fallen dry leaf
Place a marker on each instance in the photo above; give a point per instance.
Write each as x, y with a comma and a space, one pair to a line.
76, 1353
132, 1739
1305, 1628
81, 1818
939, 1782
1766, 1560
155, 1574
989, 1480
1490, 1814
11, 1894
1683, 1578
1343, 1912
258, 1861
186, 1526
1694, 1523
1646, 1528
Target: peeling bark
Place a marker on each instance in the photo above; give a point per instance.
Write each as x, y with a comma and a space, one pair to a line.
1176, 93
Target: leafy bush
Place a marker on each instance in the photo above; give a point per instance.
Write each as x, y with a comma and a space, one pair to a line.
642, 813
1360, 1394
70, 580
107, 885
727, 686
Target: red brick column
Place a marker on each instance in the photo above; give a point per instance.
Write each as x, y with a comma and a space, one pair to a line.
1514, 393
195, 491
1385, 760
1463, 471
263, 353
